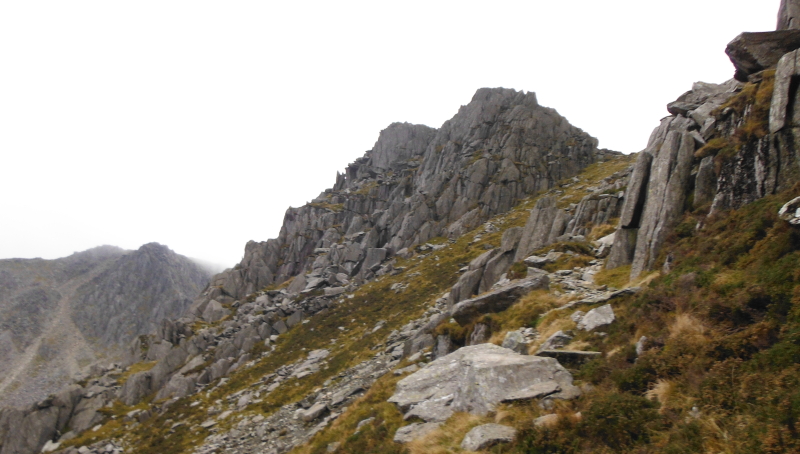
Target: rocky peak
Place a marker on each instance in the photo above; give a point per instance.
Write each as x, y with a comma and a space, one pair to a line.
153, 281
418, 183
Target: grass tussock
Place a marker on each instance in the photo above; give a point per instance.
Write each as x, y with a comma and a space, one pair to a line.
591, 176
616, 278
447, 438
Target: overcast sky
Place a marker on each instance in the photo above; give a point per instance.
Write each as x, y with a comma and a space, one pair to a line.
195, 124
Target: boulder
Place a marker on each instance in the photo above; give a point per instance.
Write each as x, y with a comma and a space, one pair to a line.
411, 432
537, 261
214, 312
546, 420
475, 379
597, 318
418, 343
374, 258
314, 412
86, 414
790, 212
280, 327
681, 107
28, 431
294, 319
510, 239
178, 386
515, 341
754, 52
556, 341
497, 300
494, 269
538, 231
466, 286
334, 291
487, 435
136, 388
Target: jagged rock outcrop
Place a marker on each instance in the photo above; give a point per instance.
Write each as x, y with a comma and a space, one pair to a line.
415, 184
661, 179
74, 408
755, 52
497, 300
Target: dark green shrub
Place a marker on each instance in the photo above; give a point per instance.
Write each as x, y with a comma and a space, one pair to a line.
620, 420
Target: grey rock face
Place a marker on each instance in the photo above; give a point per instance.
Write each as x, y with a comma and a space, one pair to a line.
665, 197
789, 15
497, 300
401, 142
754, 52
136, 388
637, 192
487, 435
597, 318
538, 231
474, 379
705, 186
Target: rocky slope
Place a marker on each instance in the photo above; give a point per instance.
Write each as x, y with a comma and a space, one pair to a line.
59, 316
418, 183
497, 281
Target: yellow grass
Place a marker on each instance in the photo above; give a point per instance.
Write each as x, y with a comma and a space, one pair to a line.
687, 326
448, 437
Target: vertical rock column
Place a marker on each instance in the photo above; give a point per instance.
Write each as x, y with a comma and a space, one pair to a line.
789, 15
666, 195
632, 208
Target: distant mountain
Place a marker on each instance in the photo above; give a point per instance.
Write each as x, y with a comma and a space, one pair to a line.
59, 316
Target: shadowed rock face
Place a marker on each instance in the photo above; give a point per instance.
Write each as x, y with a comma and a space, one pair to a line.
418, 183
137, 293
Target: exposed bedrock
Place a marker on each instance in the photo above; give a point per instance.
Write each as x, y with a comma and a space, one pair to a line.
415, 184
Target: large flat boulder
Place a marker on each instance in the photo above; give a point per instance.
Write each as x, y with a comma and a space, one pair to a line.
475, 379
597, 318
497, 300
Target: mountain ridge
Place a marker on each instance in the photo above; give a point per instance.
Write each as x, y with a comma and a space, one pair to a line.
49, 336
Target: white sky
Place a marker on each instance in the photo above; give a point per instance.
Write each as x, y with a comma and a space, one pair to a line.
196, 124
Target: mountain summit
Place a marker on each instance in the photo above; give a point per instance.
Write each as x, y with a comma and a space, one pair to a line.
58, 316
